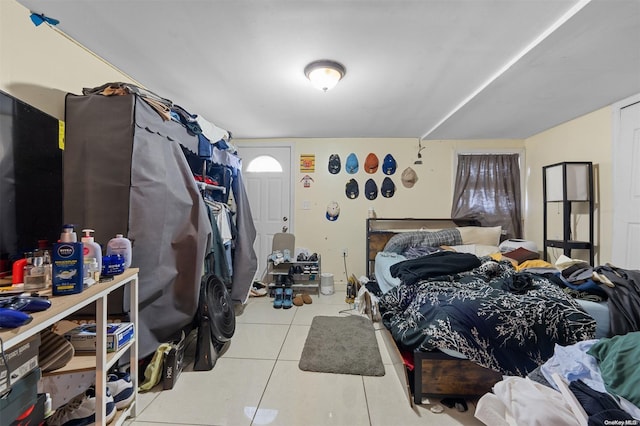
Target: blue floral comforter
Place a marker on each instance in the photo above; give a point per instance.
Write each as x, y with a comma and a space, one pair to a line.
504, 320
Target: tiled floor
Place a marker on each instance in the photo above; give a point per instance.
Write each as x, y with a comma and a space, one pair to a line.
257, 381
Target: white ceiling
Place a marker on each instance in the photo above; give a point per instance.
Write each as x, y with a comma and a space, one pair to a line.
436, 69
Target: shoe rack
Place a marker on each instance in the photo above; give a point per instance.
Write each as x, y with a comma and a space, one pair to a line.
301, 275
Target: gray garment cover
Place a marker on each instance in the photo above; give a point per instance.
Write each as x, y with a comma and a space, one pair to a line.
245, 261
124, 172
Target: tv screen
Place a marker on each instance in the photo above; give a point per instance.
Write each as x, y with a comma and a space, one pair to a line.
30, 179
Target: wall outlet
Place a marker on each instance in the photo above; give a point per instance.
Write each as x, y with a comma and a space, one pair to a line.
345, 252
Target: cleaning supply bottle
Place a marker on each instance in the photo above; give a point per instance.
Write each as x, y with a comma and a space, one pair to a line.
122, 246
91, 252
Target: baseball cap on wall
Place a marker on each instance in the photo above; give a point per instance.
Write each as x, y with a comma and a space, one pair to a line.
351, 189
388, 188
333, 211
351, 165
371, 189
371, 163
334, 164
389, 165
409, 177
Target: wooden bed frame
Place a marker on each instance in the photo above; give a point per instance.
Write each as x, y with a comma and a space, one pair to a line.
435, 373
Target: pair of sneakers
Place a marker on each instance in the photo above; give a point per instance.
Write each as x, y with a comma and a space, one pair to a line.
304, 257
283, 298
81, 410
120, 386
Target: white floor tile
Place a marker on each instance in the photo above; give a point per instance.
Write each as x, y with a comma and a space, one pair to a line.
331, 299
296, 397
294, 343
305, 314
226, 395
389, 405
257, 381
384, 353
262, 312
258, 341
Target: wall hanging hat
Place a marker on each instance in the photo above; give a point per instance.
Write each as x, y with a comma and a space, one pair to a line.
371, 189
352, 164
388, 188
409, 177
333, 211
389, 165
371, 163
334, 164
351, 189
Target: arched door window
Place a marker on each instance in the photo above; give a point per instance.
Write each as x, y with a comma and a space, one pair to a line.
263, 164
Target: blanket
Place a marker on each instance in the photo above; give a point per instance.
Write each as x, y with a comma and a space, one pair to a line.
502, 319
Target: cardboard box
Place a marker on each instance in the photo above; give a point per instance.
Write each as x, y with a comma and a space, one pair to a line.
21, 359
83, 337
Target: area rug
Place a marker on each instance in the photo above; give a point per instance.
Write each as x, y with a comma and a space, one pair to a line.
342, 345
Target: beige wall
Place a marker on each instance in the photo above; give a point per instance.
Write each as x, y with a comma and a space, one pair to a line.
430, 197
39, 65
587, 138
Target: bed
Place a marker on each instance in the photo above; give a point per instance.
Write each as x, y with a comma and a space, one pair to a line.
470, 322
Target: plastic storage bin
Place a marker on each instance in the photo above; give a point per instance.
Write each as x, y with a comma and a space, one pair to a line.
326, 283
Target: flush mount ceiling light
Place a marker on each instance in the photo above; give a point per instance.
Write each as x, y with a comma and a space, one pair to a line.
324, 74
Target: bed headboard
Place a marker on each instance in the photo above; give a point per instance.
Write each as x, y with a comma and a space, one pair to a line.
380, 231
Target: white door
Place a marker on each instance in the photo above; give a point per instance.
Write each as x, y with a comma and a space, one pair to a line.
626, 183
269, 196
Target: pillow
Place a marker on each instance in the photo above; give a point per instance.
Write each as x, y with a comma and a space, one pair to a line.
399, 243
477, 249
488, 236
521, 254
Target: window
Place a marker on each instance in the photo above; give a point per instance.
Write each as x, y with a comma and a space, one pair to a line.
263, 164
487, 189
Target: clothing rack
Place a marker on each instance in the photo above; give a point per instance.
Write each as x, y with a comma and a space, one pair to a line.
205, 186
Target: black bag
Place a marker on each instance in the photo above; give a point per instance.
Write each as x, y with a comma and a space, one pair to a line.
216, 322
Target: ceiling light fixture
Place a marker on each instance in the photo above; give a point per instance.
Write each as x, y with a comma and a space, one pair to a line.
324, 74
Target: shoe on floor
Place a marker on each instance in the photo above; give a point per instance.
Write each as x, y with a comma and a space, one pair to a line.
81, 410
258, 289
279, 298
298, 300
288, 298
307, 299
121, 389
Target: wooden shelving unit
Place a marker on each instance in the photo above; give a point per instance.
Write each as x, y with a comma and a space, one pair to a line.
64, 306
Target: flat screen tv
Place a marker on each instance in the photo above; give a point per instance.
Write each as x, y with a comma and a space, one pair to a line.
30, 179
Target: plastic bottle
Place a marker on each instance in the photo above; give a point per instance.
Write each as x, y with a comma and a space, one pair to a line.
68, 235
68, 264
91, 251
122, 246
